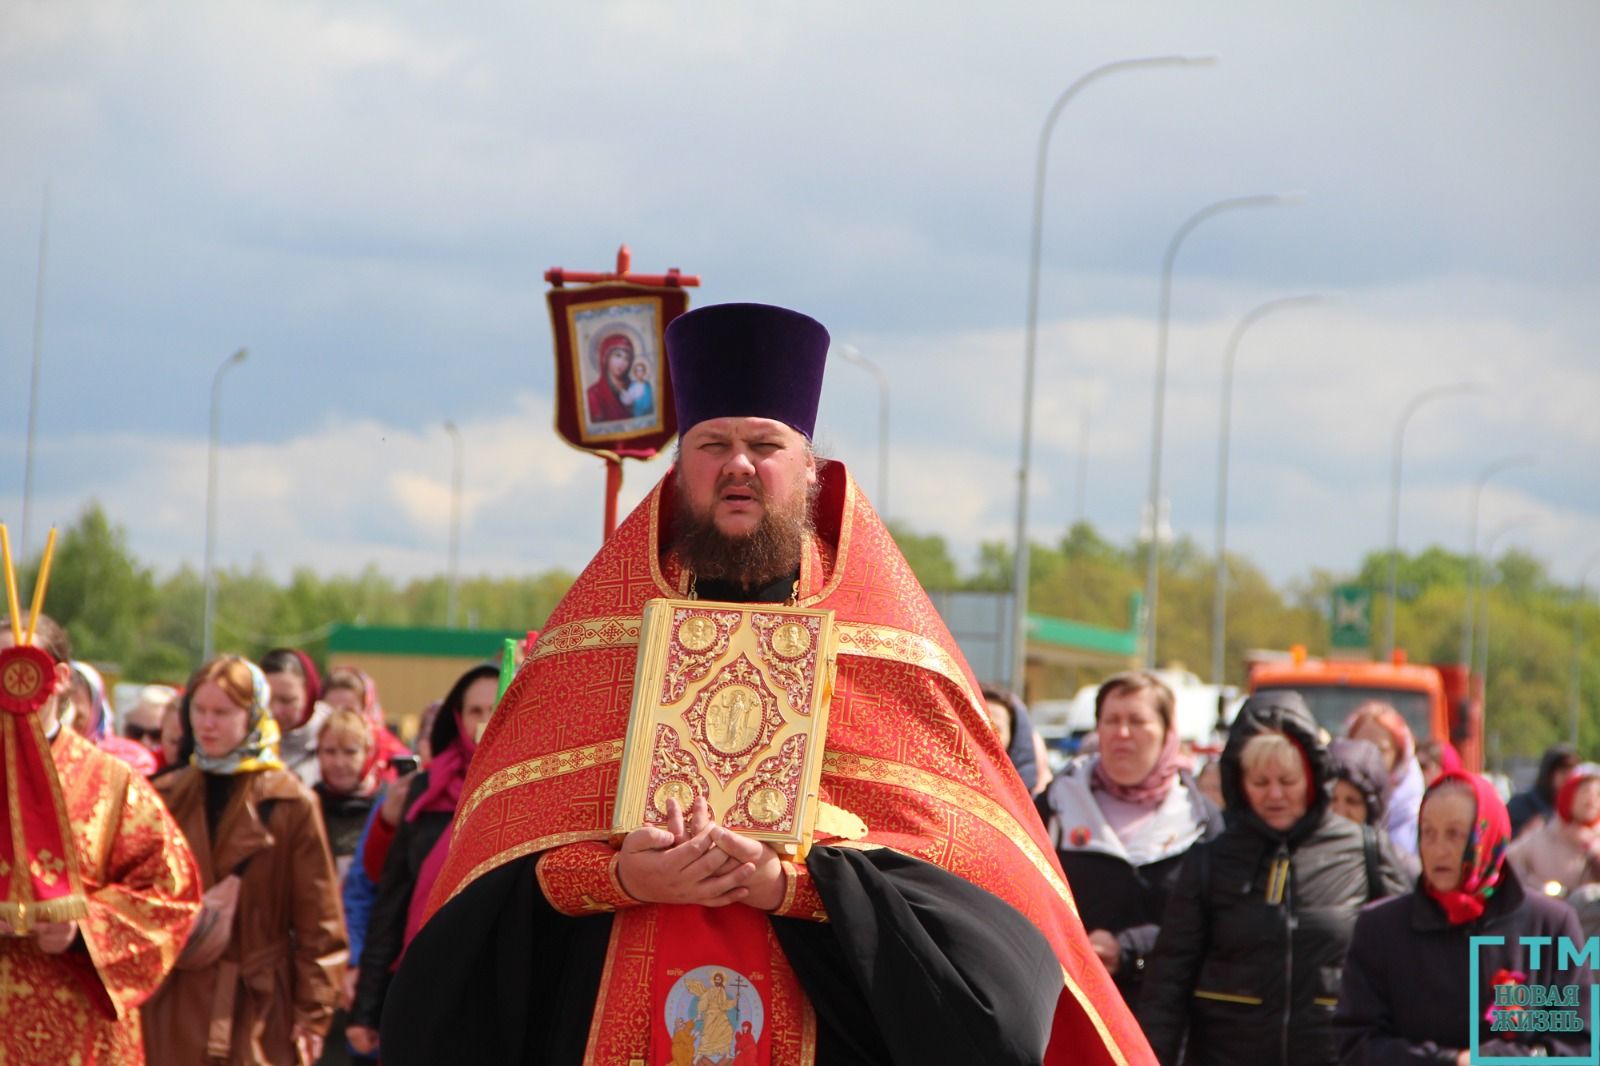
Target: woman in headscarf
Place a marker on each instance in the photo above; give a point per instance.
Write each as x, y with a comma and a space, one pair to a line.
1405, 995
1532, 808
421, 841
1385, 729
1123, 819
92, 719
298, 708
1564, 851
258, 981
350, 687
1246, 968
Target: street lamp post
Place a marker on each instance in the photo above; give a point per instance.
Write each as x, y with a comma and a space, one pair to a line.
1020, 560
852, 354
1219, 597
1472, 548
1152, 580
33, 380
1483, 630
451, 594
1435, 393
1577, 641
207, 643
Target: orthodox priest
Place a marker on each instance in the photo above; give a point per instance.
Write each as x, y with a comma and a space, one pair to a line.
929, 922
70, 987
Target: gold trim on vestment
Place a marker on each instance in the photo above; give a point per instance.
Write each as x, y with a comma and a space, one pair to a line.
962, 797
903, 646
607, 631
866, 640
555, 840
845, 522
1108, 1041
537, 769
605, 988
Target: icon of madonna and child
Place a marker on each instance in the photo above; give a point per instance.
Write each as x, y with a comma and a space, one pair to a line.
715, 1017
620, 370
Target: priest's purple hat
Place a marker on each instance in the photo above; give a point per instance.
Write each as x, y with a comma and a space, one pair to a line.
747, 360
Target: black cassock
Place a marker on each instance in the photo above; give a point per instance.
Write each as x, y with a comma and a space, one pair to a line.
914, 965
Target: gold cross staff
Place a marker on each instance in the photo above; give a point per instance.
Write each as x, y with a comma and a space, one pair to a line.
18, 637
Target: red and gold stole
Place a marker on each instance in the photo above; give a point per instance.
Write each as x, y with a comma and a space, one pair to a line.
909, 750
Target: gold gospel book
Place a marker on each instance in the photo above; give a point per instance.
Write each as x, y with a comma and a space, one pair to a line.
730, 702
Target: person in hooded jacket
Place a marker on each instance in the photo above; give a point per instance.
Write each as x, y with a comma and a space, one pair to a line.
1537, 805
1122, 821
1246, 967
1361, 789
1405, 995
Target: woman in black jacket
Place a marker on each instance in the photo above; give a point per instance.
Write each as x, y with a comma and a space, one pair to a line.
1122, 821
1406, 996
408, 872
1246, 968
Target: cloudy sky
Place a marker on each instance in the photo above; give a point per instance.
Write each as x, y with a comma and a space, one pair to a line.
366, 195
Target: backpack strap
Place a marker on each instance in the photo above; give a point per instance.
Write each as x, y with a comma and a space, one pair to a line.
1369, 847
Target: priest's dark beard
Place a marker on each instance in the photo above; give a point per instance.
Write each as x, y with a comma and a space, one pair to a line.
771, 551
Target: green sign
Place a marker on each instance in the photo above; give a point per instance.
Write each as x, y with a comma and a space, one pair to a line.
1351, 616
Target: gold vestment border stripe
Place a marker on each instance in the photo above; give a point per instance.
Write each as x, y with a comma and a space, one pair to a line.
963, 797
537, 769
1095, 1019
855, 638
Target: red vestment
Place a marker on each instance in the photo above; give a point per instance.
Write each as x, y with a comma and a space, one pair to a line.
909, 750
81, 1006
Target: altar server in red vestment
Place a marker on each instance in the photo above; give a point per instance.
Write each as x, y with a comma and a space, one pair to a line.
930, 922
70, 990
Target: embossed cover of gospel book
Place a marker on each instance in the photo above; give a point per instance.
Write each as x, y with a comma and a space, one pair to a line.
730, 702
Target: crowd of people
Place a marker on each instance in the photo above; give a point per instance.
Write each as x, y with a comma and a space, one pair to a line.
270, 825
1315, 907
270, 876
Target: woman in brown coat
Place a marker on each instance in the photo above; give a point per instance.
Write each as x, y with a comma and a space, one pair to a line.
259, 983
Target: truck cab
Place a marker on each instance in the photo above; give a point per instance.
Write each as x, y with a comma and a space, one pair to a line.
1332, 688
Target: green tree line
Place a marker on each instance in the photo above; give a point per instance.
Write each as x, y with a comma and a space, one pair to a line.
119, 611
1540, 639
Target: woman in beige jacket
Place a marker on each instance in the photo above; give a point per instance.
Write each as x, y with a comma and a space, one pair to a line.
259, 980
1564, 852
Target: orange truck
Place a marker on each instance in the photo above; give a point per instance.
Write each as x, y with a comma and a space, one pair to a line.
1439, 702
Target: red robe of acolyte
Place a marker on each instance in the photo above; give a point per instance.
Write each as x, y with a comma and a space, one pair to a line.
888, 938
82, 1006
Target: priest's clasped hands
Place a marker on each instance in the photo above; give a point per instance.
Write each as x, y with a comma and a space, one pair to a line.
699, 862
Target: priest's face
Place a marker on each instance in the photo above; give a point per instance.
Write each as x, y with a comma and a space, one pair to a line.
744, 490
734, 472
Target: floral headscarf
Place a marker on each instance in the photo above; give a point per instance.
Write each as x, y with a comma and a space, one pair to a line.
259, 748
1483, 859
98, 712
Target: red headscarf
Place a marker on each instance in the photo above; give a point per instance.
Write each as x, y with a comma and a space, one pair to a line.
308, 670
1483, 859
1569, 790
